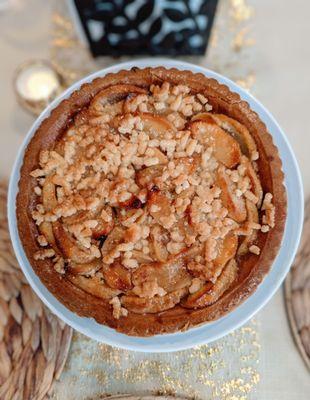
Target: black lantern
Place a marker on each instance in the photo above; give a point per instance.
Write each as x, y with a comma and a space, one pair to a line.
135, 27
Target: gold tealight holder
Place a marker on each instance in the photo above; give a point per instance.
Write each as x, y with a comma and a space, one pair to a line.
36, 84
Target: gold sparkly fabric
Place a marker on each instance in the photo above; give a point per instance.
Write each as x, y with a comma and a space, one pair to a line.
225, 370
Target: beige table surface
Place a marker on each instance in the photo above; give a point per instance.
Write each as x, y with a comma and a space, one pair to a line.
282, 67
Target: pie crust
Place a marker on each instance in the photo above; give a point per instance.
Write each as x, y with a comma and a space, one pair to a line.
136, 306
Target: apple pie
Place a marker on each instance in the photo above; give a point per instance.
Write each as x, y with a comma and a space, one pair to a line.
151, 200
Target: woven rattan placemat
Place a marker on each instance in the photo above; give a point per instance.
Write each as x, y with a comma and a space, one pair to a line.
34, 344
297, 293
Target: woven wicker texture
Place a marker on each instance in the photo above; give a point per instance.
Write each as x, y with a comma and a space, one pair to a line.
297, 293
34, 344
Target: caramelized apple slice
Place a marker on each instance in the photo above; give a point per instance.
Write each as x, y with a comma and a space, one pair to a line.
171, 275
184, 226
141, 257
78, 217
68, 246
190, 164
225, 148
140, 305
234, 128
85, 269
235, 205
227, 250
84, 215
113, 94
114, 109
156, 126
159, 241
252, 216
256, 186
210, 293
115, 237
159, 155
201, 117
104, 227
160, 251
49, 199
131, 205
117, 276
191, 252
146, 177
93, 285
159, 207
46, 229
239, 132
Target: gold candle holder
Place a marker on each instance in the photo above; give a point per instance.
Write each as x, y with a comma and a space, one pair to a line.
36, 84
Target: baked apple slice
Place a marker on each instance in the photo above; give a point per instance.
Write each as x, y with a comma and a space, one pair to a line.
184, 226
160, 250
239, 132
146, 177
114, 110
113, 94
159, 207
103, 227
79, 217
227, 250
93, 285
49, 199
141, 257
69, 247
115, 237
234, 204
210, 293
162, 158
83, 215
141, 305
159, 241
117, 276
191, 252
225, 148
252, 216
130, 205
156, 126
85, 269
170, 276
190, 164
256, 186
234, 128
46, 229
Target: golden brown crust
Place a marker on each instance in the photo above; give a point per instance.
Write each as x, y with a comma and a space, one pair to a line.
252, 268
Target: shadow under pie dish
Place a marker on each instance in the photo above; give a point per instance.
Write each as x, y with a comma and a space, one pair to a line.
151, 200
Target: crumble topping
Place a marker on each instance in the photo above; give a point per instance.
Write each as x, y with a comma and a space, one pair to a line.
152, 196
254, 249
118, 310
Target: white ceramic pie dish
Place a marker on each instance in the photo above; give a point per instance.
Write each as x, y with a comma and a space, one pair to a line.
210, 331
